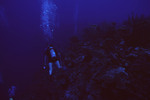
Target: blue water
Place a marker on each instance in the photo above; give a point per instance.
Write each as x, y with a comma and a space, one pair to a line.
76, 12
25, 25
1, 80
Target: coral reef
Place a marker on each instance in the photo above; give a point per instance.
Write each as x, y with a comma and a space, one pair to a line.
110, 64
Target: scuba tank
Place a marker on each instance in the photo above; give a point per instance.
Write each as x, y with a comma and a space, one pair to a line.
52, 52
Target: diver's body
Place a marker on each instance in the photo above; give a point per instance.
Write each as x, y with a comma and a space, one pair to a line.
51, 55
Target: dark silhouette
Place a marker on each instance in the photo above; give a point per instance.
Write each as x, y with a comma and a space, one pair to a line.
51, 57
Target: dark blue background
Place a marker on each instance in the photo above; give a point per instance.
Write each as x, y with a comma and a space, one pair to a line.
21, 38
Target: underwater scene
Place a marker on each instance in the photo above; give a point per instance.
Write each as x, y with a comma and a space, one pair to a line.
74, 49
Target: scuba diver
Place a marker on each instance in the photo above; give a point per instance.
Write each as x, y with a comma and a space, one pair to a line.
51, 56
11, 92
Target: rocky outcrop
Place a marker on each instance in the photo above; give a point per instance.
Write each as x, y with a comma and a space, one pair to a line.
104, 68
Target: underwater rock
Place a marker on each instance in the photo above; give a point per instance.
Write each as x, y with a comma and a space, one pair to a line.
137, 48
79, 59
99, 69
112, 72
122, 42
